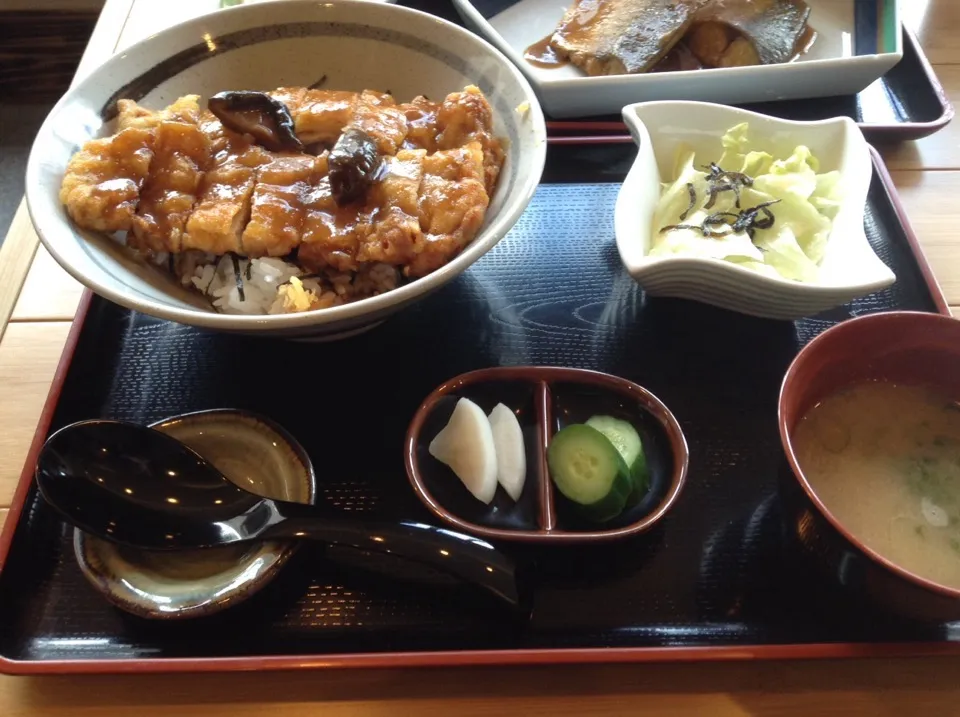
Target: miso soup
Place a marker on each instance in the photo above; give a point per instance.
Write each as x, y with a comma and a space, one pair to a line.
885, 460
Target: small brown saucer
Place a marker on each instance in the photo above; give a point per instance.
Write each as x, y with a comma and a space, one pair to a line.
545, 399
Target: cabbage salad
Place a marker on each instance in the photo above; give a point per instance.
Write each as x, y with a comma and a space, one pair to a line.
767, 214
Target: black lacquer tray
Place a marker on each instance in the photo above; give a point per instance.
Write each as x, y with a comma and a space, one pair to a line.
714, 580
907, 103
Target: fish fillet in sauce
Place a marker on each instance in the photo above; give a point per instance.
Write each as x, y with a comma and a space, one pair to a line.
773, 27
610, 37
615, 37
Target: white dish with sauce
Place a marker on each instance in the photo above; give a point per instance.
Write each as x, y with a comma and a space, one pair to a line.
857, 42
849, 268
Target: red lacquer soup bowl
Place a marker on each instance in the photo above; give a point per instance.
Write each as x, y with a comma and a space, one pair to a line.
901, 347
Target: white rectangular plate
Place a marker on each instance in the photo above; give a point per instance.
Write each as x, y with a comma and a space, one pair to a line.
857, 42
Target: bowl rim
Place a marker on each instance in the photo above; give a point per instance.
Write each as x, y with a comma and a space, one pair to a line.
541, 377
647, 265
789, 387
515, 204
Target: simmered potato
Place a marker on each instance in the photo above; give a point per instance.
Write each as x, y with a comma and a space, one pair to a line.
709, 41
741, 53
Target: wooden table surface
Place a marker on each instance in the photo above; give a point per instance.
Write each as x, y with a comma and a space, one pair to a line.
39, 300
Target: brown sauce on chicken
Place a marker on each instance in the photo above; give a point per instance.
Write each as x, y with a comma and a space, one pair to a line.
181, 179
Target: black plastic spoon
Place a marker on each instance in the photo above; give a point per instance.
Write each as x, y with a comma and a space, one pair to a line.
133, 485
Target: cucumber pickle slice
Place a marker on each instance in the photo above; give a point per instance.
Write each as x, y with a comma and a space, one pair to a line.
589, 471
626, 440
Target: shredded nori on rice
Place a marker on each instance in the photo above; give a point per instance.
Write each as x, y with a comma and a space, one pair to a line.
213, 277
238, 275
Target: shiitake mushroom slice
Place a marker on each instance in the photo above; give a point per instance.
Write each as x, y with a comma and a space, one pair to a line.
354, 164
258, 114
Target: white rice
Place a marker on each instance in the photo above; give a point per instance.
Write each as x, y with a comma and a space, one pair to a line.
274, 286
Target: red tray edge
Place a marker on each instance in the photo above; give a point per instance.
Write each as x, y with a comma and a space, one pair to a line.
451, 658
481, 658
900, 131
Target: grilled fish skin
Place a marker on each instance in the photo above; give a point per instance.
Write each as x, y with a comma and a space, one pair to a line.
773, 27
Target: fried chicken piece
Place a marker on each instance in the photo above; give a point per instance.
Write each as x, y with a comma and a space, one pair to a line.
421, 116
452, 203
227, 145
322, 115
392, 209
102, 183
466, 117
384, 228
379, 117
132, 115
222, 210
331, 234
276, 208
101, 186
292, 97
181, 155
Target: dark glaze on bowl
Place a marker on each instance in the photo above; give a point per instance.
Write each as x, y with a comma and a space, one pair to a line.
545, 399
903, 347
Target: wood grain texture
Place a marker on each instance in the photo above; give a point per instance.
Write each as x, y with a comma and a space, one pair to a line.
21, 241
29, 354
939, 151
936, 23
786, 689
927, 198
16, 256
39, 51
49, 293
